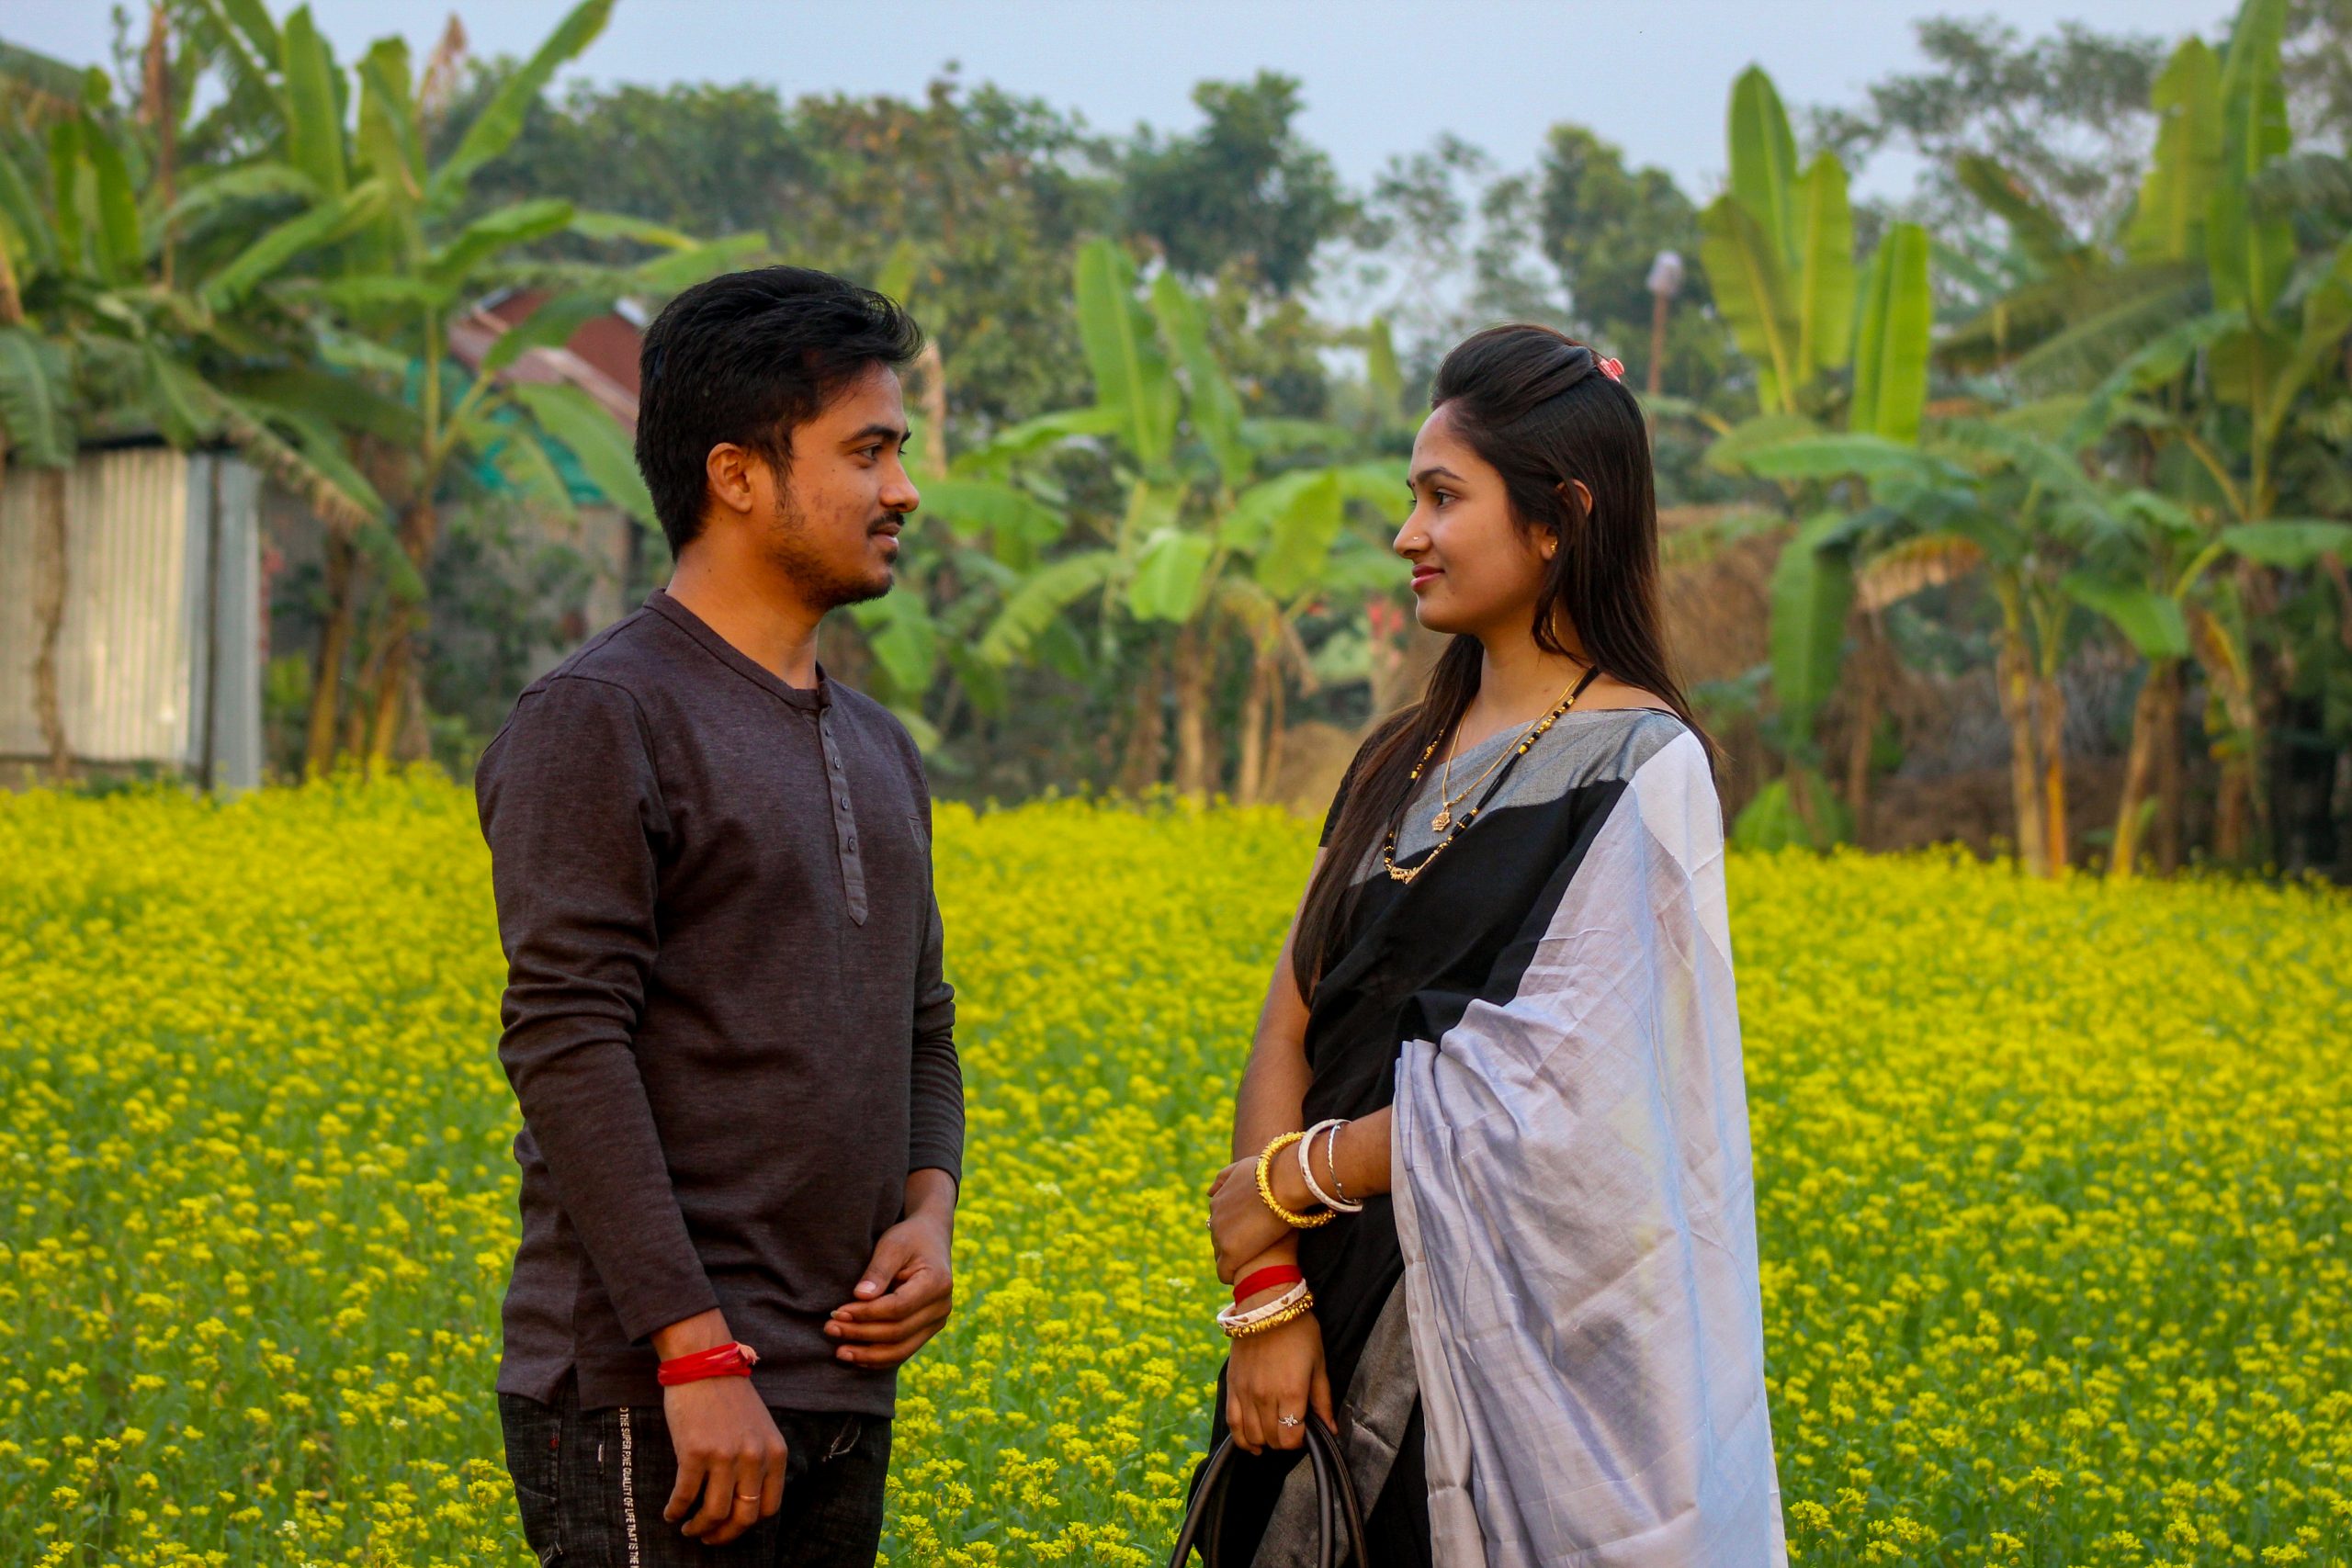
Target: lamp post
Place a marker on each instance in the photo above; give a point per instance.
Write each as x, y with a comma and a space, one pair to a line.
1665, 282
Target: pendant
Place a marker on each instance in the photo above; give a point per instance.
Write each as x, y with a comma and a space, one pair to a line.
1442, 820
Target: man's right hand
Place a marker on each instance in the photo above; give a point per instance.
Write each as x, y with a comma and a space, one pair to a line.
730, 1457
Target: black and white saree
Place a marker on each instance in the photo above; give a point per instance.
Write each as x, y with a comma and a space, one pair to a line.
1547, 1341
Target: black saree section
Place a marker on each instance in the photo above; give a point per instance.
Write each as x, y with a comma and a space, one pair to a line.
1411, 958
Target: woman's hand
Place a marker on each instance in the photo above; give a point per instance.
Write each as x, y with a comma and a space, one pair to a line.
1275, 1374
1240, 1226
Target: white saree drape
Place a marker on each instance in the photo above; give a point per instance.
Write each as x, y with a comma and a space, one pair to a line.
1575, 1200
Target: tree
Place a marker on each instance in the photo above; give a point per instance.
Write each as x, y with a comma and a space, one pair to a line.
1245, 190
2066, 112
1780, 248
1603, 225
1223, 528
2234, 307
990, 191
389, 265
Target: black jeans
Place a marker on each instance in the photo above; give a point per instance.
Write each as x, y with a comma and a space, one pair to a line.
592, 1485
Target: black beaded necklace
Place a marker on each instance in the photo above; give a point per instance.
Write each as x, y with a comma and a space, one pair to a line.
1388, 844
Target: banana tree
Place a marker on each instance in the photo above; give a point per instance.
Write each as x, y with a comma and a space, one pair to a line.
2204, 392
1220, 529
390, 261
1779, 246
112, 321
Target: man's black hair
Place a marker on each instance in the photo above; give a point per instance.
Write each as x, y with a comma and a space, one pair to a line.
748, 358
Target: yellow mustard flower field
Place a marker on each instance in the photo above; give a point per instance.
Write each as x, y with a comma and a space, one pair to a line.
2053, 1191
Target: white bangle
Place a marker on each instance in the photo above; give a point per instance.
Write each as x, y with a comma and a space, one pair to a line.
1233, 1320
1307, 1170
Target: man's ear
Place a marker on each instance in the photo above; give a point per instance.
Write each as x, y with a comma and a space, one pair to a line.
728, 468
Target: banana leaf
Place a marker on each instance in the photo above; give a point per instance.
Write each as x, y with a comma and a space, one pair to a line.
2249, 255
1040, 600
1215, 408
549, 326
501, 120
323, 225
517, 223
1752, 293
2290, 543
35, 399
1891, 352
1826, 262
2168, 224
1764, 164
1167, 581
596, 439
313, 125
1812, 588
1131, 374
2154, 624
1299, 537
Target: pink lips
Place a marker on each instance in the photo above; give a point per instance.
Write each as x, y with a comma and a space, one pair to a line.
1423, 576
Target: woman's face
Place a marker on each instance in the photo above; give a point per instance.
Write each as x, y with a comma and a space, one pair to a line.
1476, 570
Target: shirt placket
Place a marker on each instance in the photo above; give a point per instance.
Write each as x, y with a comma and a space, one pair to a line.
844, 819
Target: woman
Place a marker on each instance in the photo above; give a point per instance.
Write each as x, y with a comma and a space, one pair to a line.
1504, 1016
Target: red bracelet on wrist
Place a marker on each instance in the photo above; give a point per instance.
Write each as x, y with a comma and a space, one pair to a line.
729, 1360
1265, 1279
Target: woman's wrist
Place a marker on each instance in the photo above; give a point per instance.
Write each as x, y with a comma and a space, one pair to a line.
1290, 1186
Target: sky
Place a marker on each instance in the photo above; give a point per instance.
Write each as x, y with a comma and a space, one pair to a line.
1381, 78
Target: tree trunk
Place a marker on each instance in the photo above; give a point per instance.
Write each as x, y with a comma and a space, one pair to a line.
2171, 781
1860, 744
1139, 770
1278, 700
419, 530
2140, 770
334, 646
1195, 656
2050, 707
49, 618
1249, 776
2015, 674
933, 401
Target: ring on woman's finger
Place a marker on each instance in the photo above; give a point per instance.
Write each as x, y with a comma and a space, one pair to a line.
747, 1497
1288, 1421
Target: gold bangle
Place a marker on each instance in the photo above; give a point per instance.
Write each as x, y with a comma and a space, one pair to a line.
1288, 1314
1266, 1188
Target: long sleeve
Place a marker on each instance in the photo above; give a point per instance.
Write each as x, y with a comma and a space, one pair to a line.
935, 1087
573, 814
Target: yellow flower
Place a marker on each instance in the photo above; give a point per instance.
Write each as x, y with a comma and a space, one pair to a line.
2049, 1202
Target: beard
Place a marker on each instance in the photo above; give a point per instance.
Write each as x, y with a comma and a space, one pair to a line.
824, 582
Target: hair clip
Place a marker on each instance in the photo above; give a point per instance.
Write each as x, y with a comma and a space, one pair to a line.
1612, 368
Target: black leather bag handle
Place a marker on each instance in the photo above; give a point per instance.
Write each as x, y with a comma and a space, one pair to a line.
1335, 1504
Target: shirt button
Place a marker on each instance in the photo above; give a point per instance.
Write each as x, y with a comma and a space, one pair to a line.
852, 846
844, 803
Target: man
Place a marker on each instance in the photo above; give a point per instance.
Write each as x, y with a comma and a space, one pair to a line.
724, 1021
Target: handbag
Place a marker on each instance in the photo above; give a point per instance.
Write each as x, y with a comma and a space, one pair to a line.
1335, 1504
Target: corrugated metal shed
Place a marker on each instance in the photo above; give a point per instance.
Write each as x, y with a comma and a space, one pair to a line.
158, 653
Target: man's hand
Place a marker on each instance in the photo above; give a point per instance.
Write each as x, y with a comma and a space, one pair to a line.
730, 1457
907, 1291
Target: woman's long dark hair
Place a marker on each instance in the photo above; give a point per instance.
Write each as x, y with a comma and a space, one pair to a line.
1536, 405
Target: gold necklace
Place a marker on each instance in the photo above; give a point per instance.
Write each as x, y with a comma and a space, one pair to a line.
1447, 800
1388, 845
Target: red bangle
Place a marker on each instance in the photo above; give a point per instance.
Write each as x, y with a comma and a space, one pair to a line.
1265, 1279
729, 1360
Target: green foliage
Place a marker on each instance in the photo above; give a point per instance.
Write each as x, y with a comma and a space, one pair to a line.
1245, 191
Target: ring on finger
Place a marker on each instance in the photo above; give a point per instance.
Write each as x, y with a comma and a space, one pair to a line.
1287, 1421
